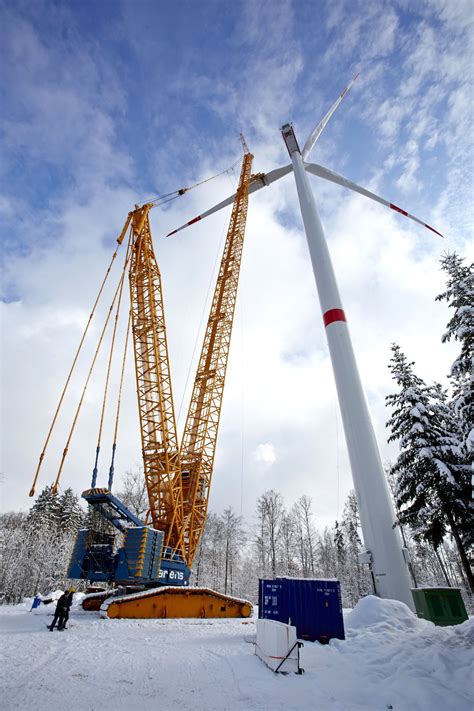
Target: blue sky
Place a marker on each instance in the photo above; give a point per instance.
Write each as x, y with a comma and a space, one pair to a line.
167, 87
106, 103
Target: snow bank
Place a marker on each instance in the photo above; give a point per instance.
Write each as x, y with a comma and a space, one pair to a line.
372, 611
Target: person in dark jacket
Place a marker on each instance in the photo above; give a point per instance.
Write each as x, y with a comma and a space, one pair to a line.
70, 594
61, 614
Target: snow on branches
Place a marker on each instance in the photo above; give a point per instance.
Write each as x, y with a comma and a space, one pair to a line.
459, 295
432, 475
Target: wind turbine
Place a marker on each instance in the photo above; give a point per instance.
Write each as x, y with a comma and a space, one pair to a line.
387, 557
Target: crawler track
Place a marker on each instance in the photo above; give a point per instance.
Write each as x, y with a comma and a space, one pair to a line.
169, 602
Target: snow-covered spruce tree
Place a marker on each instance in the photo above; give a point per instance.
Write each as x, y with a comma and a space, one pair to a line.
58, 513
432, 475
46, 511
71, 514
340, 548
459, 295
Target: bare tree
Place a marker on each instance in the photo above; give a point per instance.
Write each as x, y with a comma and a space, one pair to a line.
134, 492
270, 511
306, 534
288, 537
234, 537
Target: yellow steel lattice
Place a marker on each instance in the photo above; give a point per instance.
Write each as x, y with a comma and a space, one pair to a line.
200, 433
155, 401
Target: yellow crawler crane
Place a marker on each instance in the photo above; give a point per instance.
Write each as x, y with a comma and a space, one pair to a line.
178, 482
156, 557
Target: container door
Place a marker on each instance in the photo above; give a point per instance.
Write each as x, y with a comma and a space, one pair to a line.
271, 601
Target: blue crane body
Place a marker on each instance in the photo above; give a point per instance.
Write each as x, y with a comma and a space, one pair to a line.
141, 560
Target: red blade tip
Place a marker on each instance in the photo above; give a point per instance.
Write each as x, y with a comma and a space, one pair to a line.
433, 230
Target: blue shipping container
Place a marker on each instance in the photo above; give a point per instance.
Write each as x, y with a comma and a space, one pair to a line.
314, 607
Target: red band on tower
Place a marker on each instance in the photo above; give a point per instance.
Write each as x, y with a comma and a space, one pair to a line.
333, 315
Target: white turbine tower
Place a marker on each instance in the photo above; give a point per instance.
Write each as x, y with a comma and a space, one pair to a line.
385, 553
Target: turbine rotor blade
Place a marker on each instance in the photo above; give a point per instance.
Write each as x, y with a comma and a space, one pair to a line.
321, 172
216, 208
259, 180
315, 134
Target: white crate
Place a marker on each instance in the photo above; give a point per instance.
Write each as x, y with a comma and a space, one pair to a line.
274, 642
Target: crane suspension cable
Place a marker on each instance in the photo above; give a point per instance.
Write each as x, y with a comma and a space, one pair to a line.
162, 199
212, 280
109, 365
55, 485
45, 446
119, 400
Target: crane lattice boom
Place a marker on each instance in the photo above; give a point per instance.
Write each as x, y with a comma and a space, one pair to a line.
155, 400
200, 433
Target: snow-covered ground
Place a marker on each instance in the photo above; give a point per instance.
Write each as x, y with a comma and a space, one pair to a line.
390, 660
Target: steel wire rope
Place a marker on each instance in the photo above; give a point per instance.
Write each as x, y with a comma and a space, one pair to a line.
109, 365
65, 451
337, 458
42, 455
204, 310
162, 199
242, 402
119, 400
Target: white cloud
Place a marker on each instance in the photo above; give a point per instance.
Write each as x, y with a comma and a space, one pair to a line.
265, 453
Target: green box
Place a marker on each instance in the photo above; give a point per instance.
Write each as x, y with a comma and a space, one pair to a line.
443, 606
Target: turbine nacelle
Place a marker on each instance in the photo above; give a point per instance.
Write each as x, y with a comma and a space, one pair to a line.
290, 139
